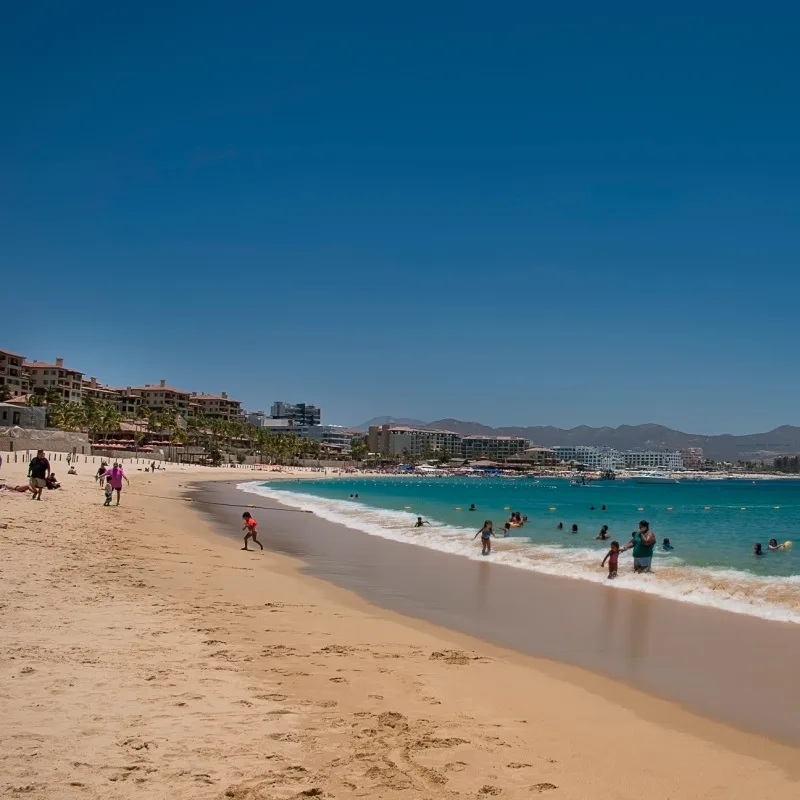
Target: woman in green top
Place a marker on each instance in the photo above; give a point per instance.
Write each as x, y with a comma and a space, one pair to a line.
642, 543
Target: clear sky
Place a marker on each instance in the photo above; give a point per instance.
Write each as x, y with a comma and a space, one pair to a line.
514, 213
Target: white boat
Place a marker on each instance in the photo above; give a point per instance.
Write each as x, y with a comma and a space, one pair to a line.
654, 477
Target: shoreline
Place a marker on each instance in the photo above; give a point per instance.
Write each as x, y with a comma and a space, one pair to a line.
687, 578
145, 656
693, 661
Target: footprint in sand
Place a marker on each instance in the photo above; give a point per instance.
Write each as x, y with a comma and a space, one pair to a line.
338, 680
543, 787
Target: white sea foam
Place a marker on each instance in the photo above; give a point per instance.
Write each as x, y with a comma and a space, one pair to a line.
775, 598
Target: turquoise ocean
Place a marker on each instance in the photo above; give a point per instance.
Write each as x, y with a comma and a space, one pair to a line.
711, 524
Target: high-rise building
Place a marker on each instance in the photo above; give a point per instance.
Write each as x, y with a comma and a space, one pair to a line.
300, 413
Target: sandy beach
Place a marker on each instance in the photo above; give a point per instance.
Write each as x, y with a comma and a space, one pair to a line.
145, 655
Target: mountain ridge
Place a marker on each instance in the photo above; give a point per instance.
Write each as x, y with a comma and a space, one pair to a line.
780, 441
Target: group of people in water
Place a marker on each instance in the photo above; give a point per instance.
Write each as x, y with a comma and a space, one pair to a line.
773, 545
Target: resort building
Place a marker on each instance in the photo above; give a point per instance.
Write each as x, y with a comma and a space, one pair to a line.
652, 459
334, 437
537, 456
161, 397
300, 413
43, 376
416, 443
591, 457
693, 457
497, 447
216, 406
12, 374
94, 390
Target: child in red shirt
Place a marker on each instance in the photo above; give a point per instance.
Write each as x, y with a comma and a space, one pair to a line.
612, 556
251, 526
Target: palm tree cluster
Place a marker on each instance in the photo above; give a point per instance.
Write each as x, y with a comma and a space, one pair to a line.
213, 435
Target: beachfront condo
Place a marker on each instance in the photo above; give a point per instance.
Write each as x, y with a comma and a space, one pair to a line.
216, 406
497, 447
12, 374
416, 443
43, 376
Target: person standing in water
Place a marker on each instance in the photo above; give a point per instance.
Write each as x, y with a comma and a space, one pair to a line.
486, 533
612, 556
642, 543
603, 535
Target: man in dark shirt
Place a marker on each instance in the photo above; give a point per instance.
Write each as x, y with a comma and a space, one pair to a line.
38, 470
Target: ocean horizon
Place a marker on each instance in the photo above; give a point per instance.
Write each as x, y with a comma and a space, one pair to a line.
711, 524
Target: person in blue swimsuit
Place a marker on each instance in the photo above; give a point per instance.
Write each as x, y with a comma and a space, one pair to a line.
486, 533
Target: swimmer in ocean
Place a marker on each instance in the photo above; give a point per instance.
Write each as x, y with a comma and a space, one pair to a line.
757, 551
603, 535
666, 545
472, 507
773, 545
420, 522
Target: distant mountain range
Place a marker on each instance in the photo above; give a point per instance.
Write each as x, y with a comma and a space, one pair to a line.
725, 447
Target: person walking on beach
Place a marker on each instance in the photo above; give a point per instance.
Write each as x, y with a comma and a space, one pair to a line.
116, 475
486, 533
251, 526
642, 543
38, 471
109, 491
612, 556
101, 471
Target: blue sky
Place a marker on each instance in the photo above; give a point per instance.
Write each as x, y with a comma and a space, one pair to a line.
489, 211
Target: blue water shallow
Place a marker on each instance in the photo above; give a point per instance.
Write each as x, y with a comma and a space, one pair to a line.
710, 523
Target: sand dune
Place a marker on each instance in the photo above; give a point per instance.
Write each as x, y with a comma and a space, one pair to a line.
145, 656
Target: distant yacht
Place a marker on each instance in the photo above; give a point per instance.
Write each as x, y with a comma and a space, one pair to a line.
654, 477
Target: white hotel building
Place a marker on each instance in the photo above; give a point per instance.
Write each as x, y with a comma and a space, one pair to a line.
608, 458
652, 459
591, 457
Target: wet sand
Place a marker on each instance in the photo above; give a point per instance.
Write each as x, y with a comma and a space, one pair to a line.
728, 667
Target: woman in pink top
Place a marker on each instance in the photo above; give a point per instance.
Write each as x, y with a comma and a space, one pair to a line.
116, 475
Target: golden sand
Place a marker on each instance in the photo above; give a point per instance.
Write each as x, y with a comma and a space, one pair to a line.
143, 655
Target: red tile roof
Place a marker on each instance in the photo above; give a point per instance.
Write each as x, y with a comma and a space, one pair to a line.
45, 365
159, 388
201, 396
9, 353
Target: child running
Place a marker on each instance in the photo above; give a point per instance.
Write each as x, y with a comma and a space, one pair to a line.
612, 556
486, 534
251, 526
109, 491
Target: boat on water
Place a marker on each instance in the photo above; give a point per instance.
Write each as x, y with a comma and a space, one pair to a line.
654, 477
